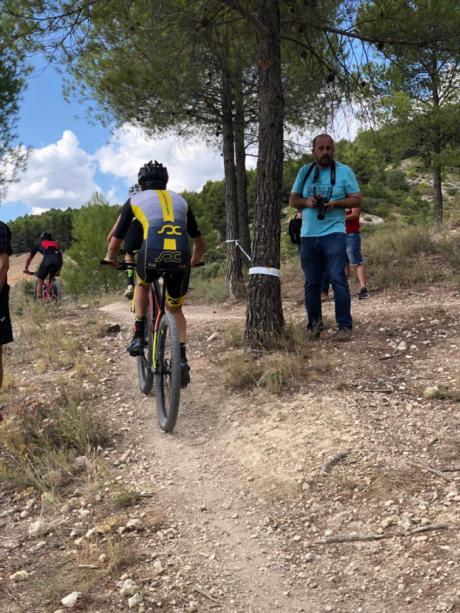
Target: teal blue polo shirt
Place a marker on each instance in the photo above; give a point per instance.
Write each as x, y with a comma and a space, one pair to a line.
345, 184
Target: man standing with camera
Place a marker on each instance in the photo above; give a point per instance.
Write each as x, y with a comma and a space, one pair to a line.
323, 191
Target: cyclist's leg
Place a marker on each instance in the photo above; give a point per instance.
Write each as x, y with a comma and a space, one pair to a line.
42, 273
176, 290
141, 301
130, 276
132, 244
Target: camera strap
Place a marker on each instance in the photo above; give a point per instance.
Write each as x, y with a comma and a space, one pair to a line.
309, 171
316, 177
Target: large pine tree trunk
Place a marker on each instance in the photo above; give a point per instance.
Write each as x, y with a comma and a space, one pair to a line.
264, 318
234, 265
241, 176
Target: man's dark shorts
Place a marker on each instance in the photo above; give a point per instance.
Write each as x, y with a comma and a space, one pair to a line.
6, 333
50, 265
134, 238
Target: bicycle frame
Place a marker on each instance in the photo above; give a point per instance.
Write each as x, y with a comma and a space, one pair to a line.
157, 303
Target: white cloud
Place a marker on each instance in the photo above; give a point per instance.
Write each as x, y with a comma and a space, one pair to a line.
57, 176
36, 210
190, 163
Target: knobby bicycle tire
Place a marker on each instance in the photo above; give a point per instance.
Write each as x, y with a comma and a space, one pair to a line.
145, 361
168, 379
56, 292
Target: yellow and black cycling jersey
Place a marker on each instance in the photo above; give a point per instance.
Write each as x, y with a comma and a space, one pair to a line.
167, 222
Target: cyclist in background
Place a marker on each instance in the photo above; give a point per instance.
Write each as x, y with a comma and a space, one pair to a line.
132, 244
52, 260
166, 221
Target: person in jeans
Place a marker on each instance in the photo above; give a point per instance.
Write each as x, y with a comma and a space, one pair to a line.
323, 191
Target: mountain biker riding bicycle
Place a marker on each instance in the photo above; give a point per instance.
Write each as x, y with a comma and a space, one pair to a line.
52, 260
132, 243
166, 220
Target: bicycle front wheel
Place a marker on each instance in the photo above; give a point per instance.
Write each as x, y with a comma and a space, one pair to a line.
168, 380
145, 361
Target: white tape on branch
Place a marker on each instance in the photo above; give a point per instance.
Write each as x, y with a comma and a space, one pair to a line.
262, 270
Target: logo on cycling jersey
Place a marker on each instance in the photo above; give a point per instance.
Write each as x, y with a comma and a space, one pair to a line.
170, 230
168, 257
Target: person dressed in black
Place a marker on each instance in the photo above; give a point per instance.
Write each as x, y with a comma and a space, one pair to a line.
167, 223
6, 333
52, 260
131, 245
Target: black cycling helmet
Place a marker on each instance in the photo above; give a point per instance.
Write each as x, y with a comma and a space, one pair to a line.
46, 236
153, 175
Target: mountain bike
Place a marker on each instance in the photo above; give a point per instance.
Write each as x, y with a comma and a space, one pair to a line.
51, 290
159, 365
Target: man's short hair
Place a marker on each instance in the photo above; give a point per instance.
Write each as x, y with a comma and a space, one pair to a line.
321, 136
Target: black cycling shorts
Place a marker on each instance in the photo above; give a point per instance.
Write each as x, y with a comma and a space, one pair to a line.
6, 332
50, 265
134, 237
176, 281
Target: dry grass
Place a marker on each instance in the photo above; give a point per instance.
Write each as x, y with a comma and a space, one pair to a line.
296, 363
389, 481
41, 438
63, 580
407, 256
108, 554
233, 337
39, 445
124, 498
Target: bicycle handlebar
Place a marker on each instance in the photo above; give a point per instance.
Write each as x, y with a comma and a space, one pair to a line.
128, 265
119, 265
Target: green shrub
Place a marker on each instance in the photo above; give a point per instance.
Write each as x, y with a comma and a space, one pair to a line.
396, 180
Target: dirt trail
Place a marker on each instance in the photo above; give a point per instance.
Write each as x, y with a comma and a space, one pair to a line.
244, 486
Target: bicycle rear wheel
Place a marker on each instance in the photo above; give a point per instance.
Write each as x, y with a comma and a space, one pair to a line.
145, 361
56, 291
168, 381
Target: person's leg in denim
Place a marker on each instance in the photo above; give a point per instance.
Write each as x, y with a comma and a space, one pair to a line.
312, 260
325, 282
334, 251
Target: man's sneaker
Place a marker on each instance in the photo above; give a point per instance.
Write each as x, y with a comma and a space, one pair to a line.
129, 291
136, 346
184, 373
363, 294
343, 335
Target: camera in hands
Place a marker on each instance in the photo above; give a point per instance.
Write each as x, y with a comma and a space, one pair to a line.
320, 207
